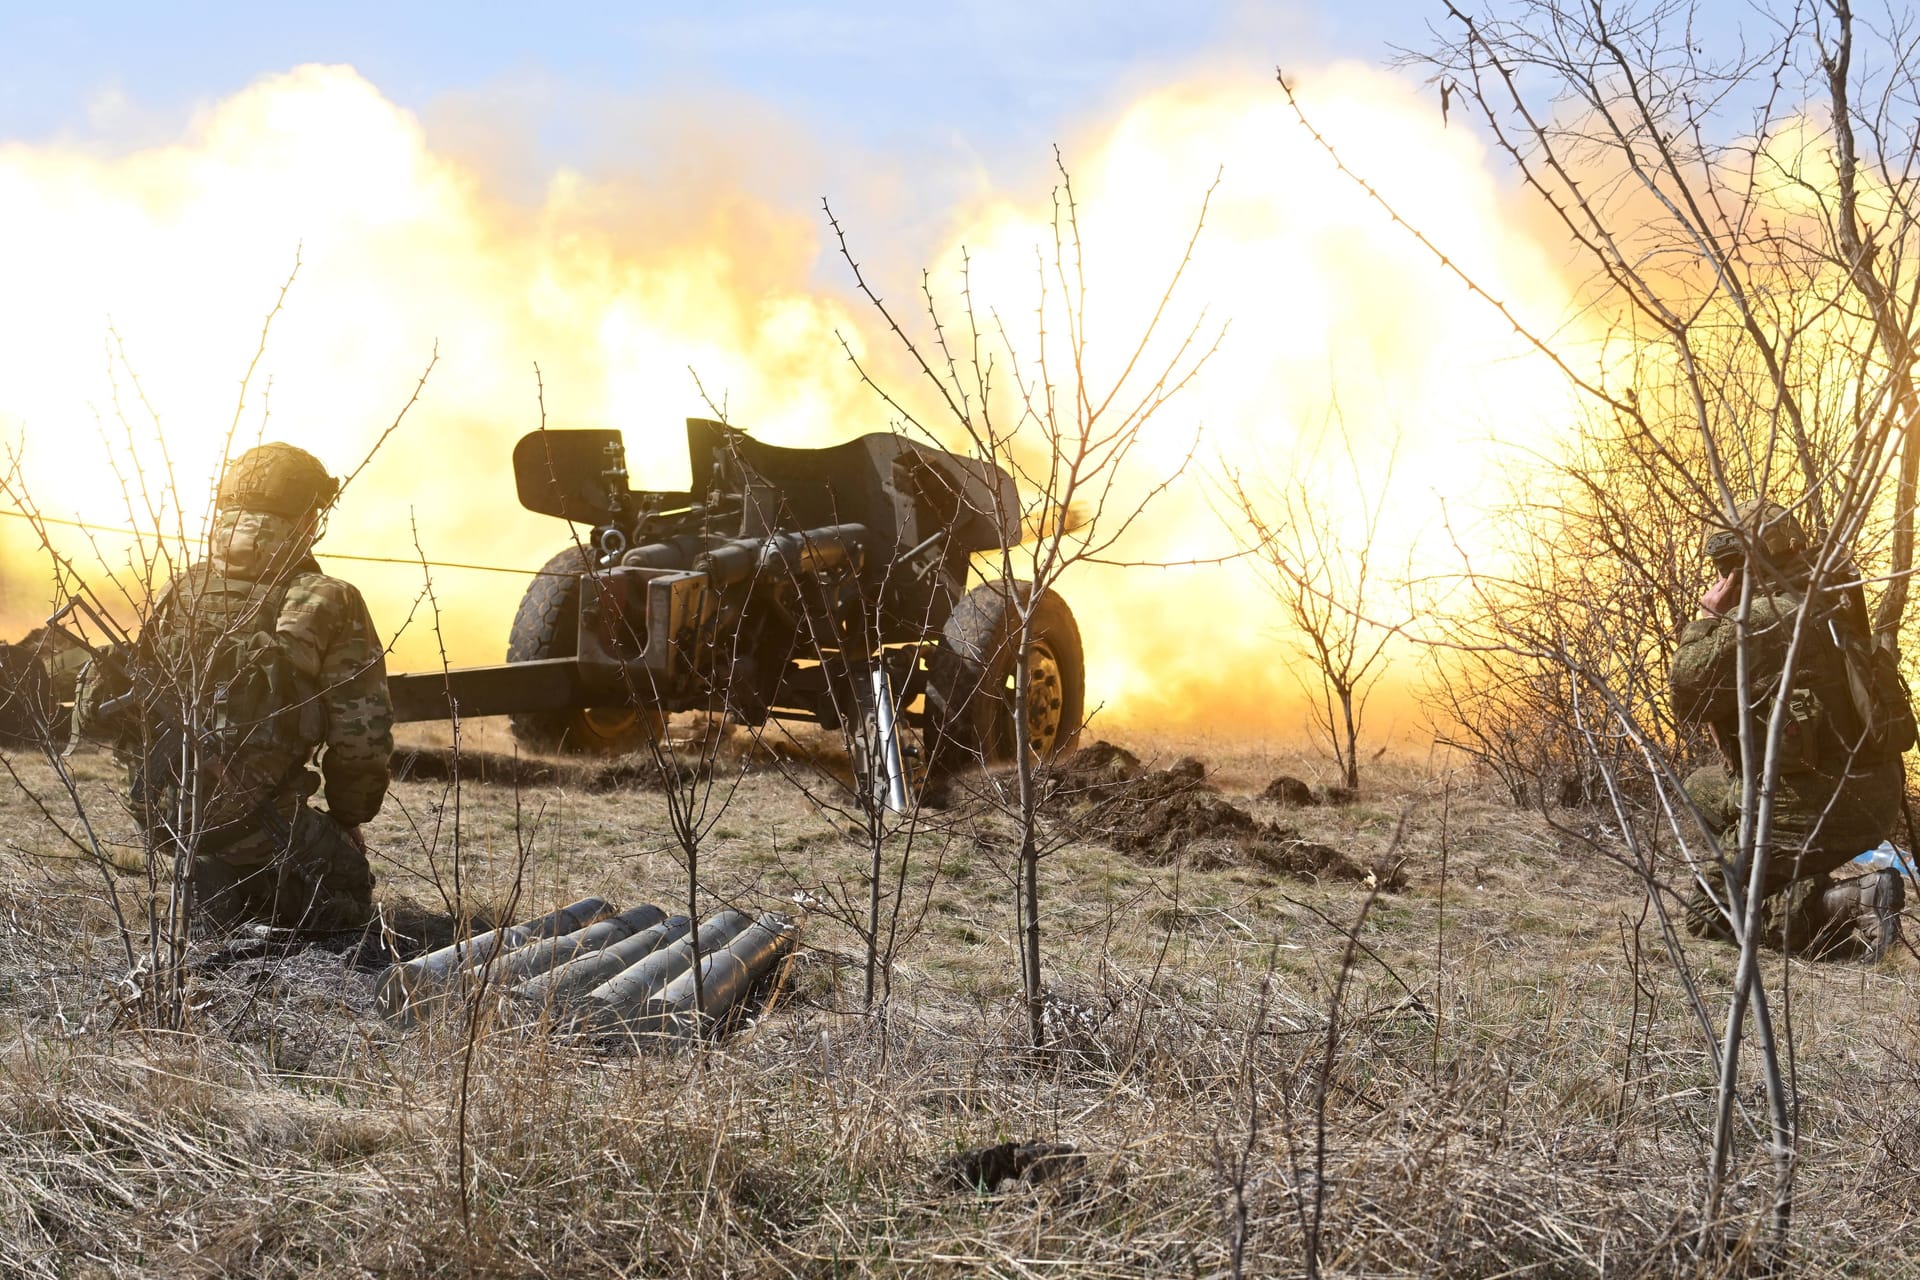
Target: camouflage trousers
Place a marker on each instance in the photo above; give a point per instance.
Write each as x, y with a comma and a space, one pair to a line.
307, 874
1820, 824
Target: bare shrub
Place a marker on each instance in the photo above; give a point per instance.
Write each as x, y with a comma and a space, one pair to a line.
1317, 537
1756, 346
1066, 429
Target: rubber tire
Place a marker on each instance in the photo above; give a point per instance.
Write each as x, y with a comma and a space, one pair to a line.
547, 626
969, 678
29, 716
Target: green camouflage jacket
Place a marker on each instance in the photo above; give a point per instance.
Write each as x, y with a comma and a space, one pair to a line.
327, 637
1820, 710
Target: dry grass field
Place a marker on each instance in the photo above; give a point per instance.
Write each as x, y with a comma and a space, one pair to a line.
1513, 1084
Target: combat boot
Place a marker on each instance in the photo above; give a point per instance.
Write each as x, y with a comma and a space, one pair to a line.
1862, 913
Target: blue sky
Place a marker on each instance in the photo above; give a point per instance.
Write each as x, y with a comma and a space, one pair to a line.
996, 72
898, 112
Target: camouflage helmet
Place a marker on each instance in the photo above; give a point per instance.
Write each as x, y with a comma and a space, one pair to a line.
1776, 529
277, 478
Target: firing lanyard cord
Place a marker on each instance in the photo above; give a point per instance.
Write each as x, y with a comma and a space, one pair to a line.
331, 555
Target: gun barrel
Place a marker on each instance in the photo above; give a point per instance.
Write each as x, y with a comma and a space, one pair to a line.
792, 554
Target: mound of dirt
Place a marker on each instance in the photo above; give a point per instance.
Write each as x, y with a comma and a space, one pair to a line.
1290, 792
1160, 821
1164, 815
1097, 763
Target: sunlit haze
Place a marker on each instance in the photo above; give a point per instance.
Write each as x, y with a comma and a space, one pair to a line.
171, 223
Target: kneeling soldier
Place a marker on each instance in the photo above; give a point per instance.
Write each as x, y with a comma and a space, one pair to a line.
253, 663
1839, 784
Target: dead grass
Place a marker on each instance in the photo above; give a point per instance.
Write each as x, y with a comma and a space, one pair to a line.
1500, 1104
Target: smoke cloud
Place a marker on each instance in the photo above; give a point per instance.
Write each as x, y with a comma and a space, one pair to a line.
617, 284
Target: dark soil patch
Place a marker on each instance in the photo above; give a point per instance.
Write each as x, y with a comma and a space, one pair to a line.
1010, 1164
436, 764
1290, 792
635, 773
1164, 815
494, 769
417, 928
406, 929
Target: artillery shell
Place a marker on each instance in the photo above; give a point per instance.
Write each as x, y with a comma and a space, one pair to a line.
541, 955
406, 990
726, 975
623, 999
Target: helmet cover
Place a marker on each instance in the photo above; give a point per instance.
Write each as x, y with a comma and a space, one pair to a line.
1756, 520
277, 478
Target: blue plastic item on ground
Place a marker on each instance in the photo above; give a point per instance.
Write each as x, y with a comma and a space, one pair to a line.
1887, 855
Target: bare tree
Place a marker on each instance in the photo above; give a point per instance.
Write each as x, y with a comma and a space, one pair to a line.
1066, 428
171, 710
1753, 296
1317, 539
1600, 562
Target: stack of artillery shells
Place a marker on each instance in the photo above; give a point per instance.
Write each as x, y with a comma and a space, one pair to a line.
603, 1006
537, 959
587, 969
406, 991
727, 972
564, 985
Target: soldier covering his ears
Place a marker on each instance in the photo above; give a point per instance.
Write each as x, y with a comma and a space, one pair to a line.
1840, 782
253, 663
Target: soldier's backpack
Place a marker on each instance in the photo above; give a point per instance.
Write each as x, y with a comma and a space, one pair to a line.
1882, 704
207, 691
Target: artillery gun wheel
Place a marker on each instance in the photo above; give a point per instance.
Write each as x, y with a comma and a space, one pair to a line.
970, 678
547, 626
29, 713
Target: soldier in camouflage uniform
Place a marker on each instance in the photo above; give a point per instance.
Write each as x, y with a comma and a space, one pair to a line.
1832, 801
254, 661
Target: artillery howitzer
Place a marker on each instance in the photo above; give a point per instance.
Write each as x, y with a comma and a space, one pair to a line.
826, 585
36, 685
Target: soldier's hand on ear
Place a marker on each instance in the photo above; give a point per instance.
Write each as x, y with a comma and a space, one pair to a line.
1721, 596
